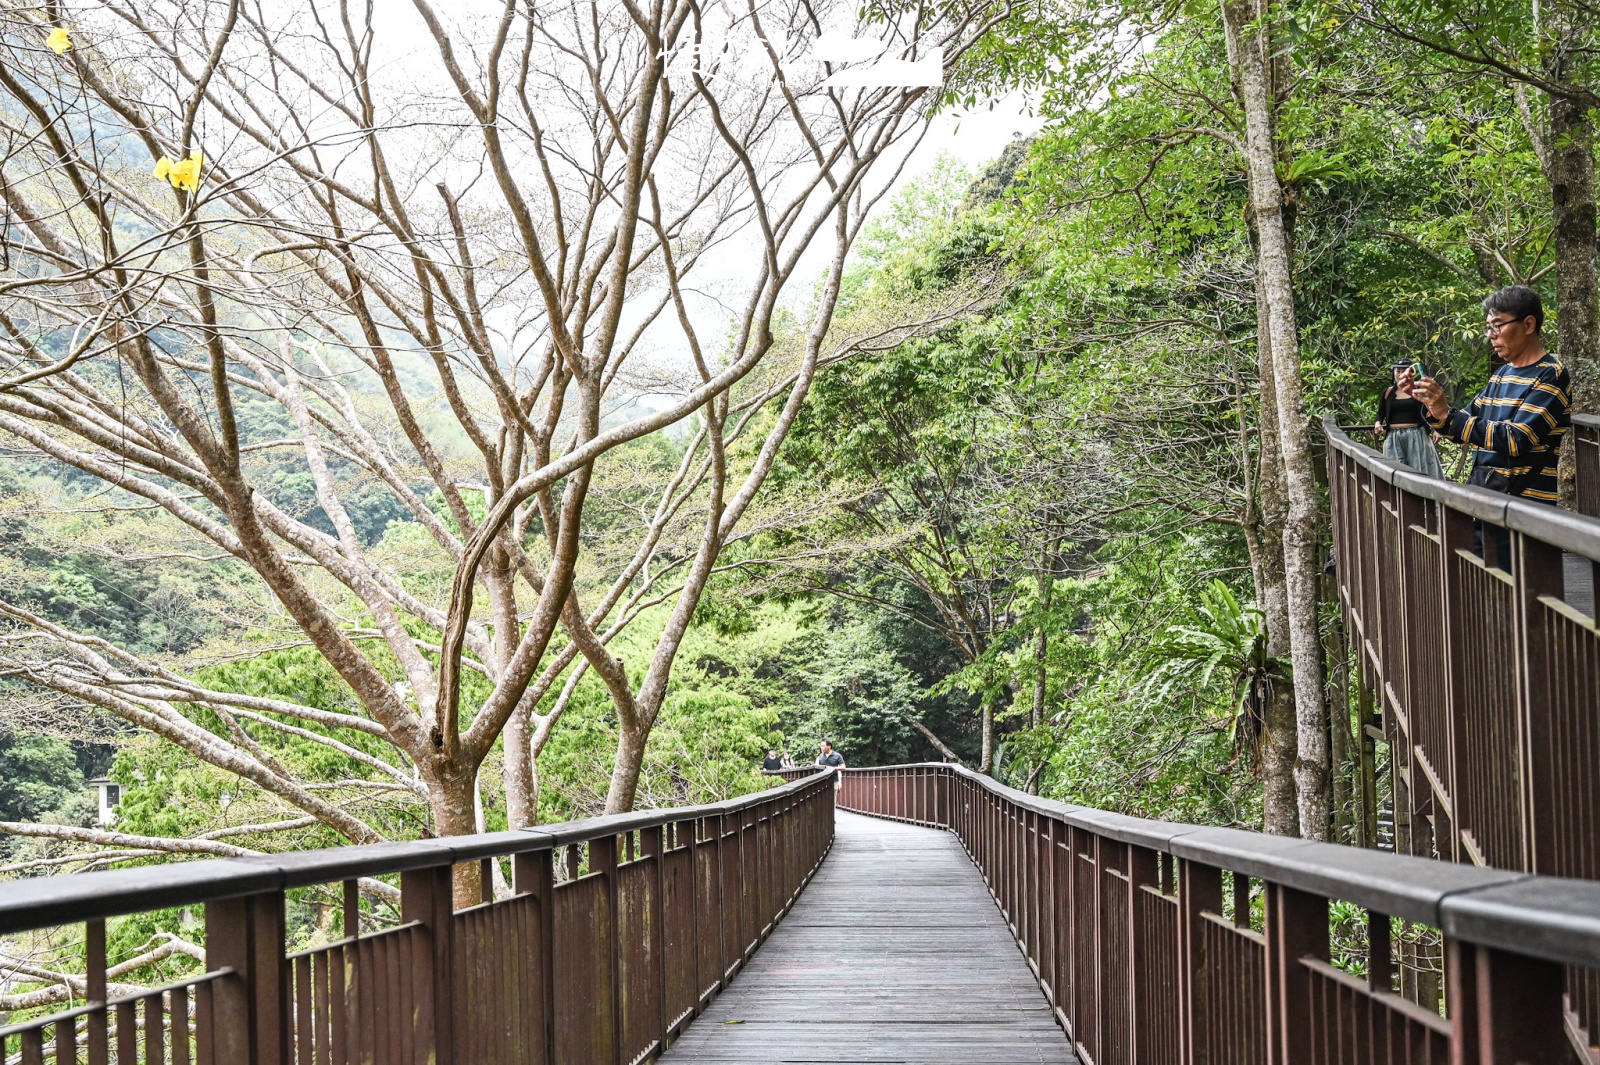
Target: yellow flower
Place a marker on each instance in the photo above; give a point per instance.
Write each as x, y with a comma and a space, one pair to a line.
59, 40
183, 174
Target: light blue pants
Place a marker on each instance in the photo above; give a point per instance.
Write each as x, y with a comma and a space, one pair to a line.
1414, 447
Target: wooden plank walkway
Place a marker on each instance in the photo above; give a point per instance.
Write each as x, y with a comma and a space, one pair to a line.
895, 952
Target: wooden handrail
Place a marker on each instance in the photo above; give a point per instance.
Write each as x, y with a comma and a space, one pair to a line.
658, 910
1124, 922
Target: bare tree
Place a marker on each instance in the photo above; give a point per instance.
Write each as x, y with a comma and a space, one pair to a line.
458, 263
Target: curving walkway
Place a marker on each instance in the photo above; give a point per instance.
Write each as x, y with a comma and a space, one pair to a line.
895, 952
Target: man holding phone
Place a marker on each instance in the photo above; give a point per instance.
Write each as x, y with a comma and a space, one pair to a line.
1516, 422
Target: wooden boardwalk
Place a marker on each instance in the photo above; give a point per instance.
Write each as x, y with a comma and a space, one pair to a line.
895, 952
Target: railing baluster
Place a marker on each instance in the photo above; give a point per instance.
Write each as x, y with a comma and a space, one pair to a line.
94, 948
33, 1047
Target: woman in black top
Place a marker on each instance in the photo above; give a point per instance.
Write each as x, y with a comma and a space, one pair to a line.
1405, 435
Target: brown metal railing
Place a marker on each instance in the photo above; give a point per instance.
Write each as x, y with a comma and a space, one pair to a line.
1585, 439
793, 772
1146, 959
602, 966
1485, 670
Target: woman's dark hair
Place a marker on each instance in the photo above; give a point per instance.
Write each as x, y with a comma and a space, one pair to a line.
1520, 302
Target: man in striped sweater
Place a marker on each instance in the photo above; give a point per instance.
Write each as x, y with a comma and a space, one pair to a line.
1516, 422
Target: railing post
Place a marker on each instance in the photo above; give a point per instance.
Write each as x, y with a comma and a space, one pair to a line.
534, 874
603, 861
1505, 1009
1094, 1020
653, 843
1455, 534
1030, 906
1061, 919
94, 948
427, 896
697, 978
1143, 869
1072, 998
1199, 890
1296, 928
719, 825
1538, 572
250, 1020
742, 886
1584, 439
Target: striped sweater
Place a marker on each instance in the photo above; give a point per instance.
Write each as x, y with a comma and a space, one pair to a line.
1515, 424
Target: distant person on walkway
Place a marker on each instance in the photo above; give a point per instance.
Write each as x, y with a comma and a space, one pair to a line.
1400, 425
830, 757
772, 763
1516, 422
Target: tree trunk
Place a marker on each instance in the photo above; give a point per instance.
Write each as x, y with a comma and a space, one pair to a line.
937, 744
455, 801
1280, 813
1267, 564
626, 769
1570, 172
522, 803
986, 759
1247, 50
1041, 654
1036, 714
1263, 529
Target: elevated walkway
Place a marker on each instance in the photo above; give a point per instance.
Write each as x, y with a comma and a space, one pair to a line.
770, 928
894, 953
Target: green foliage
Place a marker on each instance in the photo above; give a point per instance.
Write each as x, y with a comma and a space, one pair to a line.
1227, 642
38, 775
864, 698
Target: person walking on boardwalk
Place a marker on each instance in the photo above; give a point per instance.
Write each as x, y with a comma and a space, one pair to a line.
1400, 426
832, 758
1516, 422
772, 763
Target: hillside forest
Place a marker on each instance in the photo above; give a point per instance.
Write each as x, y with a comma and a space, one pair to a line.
402, 456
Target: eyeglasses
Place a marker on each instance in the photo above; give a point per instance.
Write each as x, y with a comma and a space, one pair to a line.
1493, 328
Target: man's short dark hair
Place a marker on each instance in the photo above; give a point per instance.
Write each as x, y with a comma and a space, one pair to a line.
1519, 301
827, 743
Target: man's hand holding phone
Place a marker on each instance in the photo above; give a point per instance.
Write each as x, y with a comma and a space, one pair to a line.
1429, 393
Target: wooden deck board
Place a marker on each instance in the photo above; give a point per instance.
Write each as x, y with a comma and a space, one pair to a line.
894, 953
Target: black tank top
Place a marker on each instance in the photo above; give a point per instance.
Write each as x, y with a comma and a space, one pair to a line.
1395, 409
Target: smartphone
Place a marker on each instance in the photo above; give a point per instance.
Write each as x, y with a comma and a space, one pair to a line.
1417, 372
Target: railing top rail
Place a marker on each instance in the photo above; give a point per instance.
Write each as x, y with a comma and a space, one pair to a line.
1559, 528
1543, 916
42, 902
